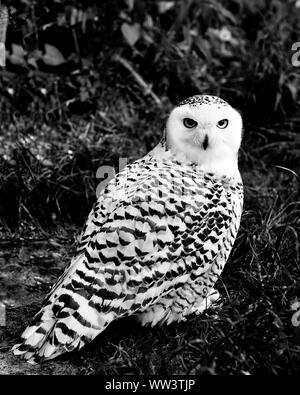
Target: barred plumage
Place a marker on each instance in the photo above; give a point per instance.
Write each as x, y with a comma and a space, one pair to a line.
153, 246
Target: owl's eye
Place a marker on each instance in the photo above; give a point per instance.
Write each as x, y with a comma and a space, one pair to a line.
222, 124
189, 123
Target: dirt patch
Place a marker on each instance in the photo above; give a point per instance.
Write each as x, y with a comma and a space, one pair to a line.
28, 268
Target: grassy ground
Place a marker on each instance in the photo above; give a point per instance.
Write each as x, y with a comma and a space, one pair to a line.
250, 332
59, 124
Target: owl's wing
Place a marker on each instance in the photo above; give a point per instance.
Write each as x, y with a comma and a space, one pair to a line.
109, 195
107, 200
151, 241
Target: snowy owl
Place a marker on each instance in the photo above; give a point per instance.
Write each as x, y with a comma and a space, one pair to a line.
157, 238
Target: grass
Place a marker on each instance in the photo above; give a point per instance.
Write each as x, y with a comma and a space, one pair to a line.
250, 332
51, 145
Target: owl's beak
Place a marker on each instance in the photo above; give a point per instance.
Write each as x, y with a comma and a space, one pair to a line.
205, 142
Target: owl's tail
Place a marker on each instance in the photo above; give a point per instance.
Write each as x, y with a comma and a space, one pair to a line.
66, 322
40, 340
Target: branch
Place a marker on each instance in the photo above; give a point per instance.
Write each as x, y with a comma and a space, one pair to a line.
146, 87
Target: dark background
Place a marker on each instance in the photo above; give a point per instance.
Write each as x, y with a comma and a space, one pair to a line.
86, 83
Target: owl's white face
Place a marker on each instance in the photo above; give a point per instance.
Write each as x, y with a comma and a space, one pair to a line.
208, 131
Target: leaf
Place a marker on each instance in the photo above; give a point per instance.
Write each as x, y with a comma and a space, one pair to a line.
2, 54
73, 16
277, 101
53, 56
293, 90
203, 46
228, 15
17, 56
130, 4
132, 33
164, 6
148, 23
223, 12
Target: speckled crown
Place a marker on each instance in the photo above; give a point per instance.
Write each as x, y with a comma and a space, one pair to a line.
199, 100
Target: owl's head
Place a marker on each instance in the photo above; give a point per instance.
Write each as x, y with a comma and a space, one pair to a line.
206, 130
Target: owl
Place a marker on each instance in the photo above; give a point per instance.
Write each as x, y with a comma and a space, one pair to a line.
156, 240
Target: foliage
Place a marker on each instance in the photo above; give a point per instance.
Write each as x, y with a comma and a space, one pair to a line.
65, 70
239, 49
